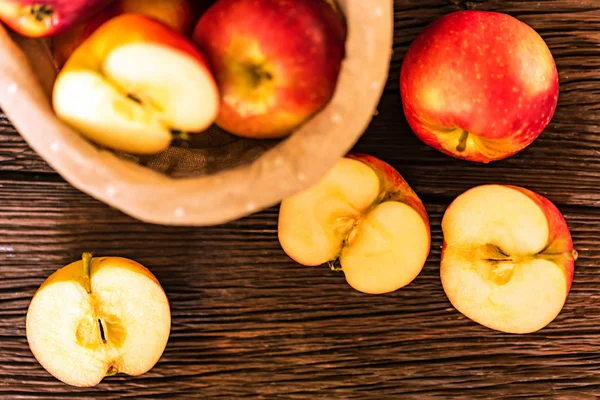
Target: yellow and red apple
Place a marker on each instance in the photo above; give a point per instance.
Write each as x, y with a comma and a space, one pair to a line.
132, 83
177, 14
479, 86
42, 18
508, 258
363, 216
98, 317
276, 62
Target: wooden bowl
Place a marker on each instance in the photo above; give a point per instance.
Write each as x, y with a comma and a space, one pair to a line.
209, 197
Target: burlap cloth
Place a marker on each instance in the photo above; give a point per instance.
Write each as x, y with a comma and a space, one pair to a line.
216, 177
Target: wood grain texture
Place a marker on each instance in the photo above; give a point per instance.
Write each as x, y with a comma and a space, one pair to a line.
250, 323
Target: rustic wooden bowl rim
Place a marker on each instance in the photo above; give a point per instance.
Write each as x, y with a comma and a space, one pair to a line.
291, 166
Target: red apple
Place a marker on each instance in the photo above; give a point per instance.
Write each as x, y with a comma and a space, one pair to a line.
132, 83
364, 217
177, 14
276, 62
508, 258
479, 86
41, 18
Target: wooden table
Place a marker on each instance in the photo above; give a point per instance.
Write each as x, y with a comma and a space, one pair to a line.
250, 323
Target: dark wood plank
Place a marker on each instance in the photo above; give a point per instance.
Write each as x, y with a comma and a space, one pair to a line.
248, 322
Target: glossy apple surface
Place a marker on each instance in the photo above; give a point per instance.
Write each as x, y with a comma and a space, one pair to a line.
276, 62
42, 18
479, 86
179, 15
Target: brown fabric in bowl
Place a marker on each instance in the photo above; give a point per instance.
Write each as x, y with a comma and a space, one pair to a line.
216, 177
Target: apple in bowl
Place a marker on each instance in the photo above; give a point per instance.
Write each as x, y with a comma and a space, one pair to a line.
479, 86
276, 62
134, 82
179, 15
42, 18
507, 259
98, 317
362, 218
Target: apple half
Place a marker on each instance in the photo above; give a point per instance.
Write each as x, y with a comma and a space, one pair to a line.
508, 258
133, 83
98, 317
361, 217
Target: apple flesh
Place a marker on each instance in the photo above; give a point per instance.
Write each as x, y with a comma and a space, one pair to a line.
276, 63
42, 18
177, 14
508, 258
132, 83
98, 317
479, 86
364, 216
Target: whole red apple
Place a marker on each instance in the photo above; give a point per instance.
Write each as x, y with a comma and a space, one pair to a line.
41, 18
479, 86
276, 62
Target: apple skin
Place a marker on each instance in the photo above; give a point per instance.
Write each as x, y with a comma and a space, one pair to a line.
72, 277
276, 62
179, 15
117, 33
484, 73
43, 18
394, 186
362, 218
560, 240
128, 29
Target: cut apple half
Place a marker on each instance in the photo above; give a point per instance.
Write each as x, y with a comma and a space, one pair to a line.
508, 258
98, 317
363, 218
133, 83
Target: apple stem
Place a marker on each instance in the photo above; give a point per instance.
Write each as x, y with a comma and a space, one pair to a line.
87, 261
462, 142
258, 74
42, 11
566, 256
180, 135
335, 265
